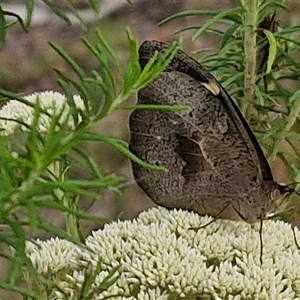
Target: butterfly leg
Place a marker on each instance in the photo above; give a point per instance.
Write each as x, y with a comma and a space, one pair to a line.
213, 220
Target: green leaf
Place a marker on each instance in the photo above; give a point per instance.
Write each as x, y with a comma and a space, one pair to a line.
56, 231
93, 166
197, 27
122, 146
229, 34
272, 49
156, 64
158, 107
2, 28
134, 69
94, 5
231, 14
57, 11
74, 11
27, 294
19, 256
77, 69
190, 13
232, 79
29, 4
111, 278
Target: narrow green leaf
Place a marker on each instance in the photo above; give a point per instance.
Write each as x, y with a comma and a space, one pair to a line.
108, 50
93, 166
70, 100
29, 4
49, 227
289, 30
26, 293
259, 95
57, 11
122, 146
233, 79
230, 14
50, 204
65, 79
10, 95
295, 135
76, 185
2, 28
111, 278
19, 256
287, 164
271, 132
267, 6
74, 11
228, 34
134, 69
287, 39
189, 13
156, 64
77, 69
157, 107
197, 27
94, 5
272, 49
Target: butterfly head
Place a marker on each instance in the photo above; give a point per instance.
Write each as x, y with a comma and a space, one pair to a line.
265, 202
279, 195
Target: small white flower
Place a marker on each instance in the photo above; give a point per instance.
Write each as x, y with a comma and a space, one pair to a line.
53, 103
52, 256
161, 258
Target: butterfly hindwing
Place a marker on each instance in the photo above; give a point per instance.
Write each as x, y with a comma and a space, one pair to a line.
212, 156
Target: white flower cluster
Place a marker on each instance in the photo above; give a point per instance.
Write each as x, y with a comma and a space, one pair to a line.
18, 115
52, 256
161, 258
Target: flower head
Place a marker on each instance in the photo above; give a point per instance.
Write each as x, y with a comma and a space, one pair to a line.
18, 115
160, 257
52, 256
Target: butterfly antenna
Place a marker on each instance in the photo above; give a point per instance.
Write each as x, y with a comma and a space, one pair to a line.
295, 238
261, 241
297, 193
260, 235
292, 189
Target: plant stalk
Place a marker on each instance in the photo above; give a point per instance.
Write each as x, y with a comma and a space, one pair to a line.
250, 48
71, 222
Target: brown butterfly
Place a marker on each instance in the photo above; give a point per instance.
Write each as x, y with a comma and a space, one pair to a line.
215, 164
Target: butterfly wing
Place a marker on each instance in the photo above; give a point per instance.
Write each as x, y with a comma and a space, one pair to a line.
209, 151
185, 64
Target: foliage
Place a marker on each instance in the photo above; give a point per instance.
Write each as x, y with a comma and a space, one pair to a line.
29, 8
35, 166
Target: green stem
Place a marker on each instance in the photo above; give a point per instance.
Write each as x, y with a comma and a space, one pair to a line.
71, 222
21, 192
250, 48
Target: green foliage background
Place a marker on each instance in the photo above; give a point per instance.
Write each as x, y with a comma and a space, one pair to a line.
256, 62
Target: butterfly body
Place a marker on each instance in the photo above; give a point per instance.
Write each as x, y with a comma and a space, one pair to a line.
215, 165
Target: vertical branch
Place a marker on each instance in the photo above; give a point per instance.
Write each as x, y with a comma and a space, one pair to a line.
250, 48
71, 221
